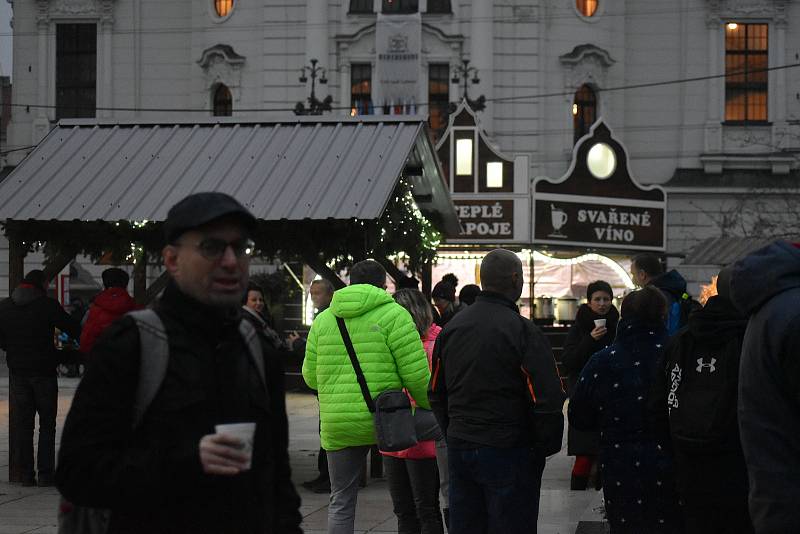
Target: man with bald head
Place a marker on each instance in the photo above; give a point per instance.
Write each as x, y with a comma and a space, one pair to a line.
481, 398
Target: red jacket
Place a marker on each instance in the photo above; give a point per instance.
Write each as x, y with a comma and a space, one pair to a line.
423, 449
107, 307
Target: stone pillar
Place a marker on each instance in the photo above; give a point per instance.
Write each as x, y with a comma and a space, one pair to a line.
41, 122
106, 93
482, 57
716, 87
777, 83
317, 38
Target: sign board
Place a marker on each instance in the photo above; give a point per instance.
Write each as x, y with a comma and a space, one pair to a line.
485, 219
398, 43
598, 203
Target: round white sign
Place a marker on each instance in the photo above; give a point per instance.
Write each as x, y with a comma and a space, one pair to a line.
601, 161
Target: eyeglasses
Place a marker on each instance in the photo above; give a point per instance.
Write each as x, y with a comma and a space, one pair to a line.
213, 249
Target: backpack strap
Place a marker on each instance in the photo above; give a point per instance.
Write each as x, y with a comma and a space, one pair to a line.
153, 359
351, 351
250, 336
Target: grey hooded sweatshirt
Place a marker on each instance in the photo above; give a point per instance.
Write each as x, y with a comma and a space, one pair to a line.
766, 286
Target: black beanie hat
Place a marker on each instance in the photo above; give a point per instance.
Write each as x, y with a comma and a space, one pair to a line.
444, 290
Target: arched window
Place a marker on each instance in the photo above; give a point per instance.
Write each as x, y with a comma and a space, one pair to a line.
223, 101
587, 8
223, 7
584, 111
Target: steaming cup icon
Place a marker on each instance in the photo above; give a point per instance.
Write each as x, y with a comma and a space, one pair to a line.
558, 217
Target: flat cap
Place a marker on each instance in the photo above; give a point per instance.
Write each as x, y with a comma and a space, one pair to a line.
202, 208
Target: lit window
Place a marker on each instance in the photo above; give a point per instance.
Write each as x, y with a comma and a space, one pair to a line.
584, 111
494, 174
223, 101
746, 62
601, 161
464, 157
223, 7
361, 89
587, 8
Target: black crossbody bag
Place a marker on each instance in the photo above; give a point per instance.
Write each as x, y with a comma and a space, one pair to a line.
397, 427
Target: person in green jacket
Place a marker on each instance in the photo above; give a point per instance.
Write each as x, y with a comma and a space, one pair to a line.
391, 356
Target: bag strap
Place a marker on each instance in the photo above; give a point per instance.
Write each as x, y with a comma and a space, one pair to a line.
153, 359
356, 366
250, 336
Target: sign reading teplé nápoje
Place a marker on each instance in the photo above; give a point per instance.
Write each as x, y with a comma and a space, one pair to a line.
485, 219
398, 43
598, 203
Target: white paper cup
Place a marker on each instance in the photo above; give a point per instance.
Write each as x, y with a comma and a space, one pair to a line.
245, 432
600, 323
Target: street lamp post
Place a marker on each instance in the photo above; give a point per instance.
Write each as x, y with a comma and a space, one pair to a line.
315, 106
463, 72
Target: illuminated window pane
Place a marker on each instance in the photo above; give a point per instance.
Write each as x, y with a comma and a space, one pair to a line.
587, 8
361, 89
464, 157
438, 97
584, 112
494, 174
746, 77
223, 7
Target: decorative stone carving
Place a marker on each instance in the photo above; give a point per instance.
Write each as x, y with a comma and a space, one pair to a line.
586, 63
747, 139
724, 9
221, 64
73, 7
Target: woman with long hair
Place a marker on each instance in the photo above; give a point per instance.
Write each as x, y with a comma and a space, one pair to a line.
610, 397
594, 329
413, 474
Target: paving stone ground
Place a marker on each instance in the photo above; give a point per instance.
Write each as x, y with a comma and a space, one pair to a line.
33, 510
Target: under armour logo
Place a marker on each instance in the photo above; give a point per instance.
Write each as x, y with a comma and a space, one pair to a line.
701, 365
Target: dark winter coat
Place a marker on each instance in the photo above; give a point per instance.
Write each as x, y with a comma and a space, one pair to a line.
766, 286
578, 348
611, 397
151, 477
107, 307
717, 475
478, 391
27, 322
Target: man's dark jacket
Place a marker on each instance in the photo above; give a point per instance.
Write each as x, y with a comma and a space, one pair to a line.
766, 286
27, 320
715, 475
478, 390
151, 477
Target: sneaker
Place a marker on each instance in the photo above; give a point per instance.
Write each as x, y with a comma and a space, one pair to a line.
309, 484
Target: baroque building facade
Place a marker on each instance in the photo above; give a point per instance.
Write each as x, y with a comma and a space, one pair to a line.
702, 93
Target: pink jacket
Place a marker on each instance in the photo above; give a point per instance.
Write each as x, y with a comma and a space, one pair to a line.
423, 449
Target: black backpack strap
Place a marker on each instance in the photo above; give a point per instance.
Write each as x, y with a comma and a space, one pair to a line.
250, 336
356, 366
153, 359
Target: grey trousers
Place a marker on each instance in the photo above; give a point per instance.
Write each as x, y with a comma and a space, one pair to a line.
345, 467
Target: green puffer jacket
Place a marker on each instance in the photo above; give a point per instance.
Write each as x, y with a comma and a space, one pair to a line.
389, 350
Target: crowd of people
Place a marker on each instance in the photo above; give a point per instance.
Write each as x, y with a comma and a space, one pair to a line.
685, 415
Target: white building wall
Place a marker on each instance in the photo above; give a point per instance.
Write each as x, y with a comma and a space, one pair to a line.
518, 47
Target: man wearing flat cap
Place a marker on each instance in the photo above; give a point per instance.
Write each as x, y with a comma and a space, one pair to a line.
171, 471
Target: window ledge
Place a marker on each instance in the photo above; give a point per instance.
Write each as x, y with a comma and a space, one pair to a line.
746, 123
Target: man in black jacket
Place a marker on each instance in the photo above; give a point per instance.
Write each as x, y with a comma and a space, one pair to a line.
27, 322
765, 286
479, 394
174, 473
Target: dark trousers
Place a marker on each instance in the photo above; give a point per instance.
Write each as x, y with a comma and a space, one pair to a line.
29, 395
705, 518
414, 487
494, 491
